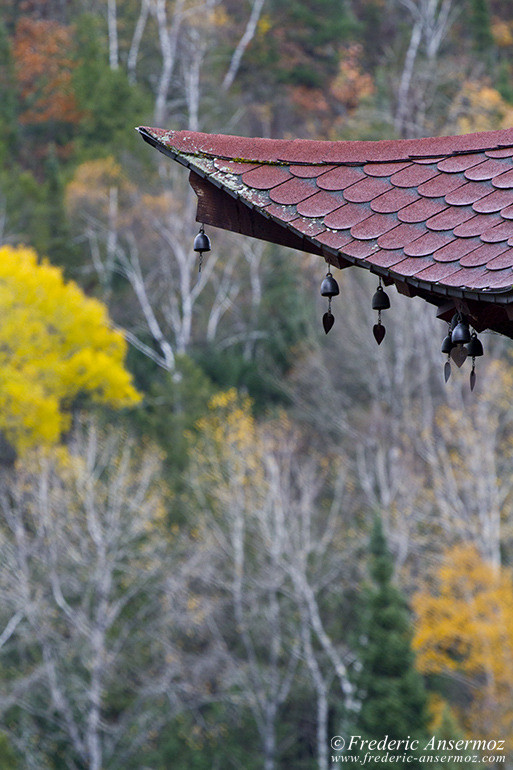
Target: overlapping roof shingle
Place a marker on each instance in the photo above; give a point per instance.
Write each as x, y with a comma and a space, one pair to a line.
432, 215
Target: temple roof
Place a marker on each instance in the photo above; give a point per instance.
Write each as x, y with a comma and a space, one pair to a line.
433, 216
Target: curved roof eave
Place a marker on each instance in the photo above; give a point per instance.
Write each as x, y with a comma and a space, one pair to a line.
433, 216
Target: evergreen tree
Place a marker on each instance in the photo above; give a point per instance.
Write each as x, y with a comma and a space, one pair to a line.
8, 117
50, 232
480, 26
393, 698
109, 104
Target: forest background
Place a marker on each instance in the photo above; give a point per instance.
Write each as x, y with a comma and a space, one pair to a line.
224, 537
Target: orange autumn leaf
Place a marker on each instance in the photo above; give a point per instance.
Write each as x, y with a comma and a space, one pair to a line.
352, 83
42, 52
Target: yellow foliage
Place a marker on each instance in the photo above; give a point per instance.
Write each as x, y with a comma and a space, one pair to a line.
229, 464
264, 25
90, 190
228, 436
502, 32
54, 344
436, 708
95, 174
465, 626
479, 107
219, 17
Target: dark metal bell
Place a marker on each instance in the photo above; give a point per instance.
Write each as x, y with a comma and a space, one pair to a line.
475, 347
380, 300
202, 242
461, 333
447, 344
329, 287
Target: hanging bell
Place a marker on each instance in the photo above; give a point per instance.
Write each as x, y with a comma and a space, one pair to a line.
461, 333
329, 286
329, 289
201, 244
380, 300
202, 241
475, 346
447, 344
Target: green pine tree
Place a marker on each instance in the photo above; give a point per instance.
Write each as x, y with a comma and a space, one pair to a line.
110, 105
51, 234
8, 117
392, 694
480, 25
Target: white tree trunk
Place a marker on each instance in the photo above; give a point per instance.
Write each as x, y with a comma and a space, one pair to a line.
168, 38
135, 45
112, 24
247, 37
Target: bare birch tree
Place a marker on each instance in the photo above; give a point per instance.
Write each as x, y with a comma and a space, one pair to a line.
112, 24
168, 31
313, 560
468, 456
432, 457
82, 596
431, 21
246, 38
137, 36
147, 239
275, 531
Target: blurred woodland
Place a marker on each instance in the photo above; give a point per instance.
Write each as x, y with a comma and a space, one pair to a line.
224, 536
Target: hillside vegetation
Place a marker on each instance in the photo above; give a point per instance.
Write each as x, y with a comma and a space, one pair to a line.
225, 536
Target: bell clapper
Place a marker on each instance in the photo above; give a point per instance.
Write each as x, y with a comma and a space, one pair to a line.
447, 346
474, 349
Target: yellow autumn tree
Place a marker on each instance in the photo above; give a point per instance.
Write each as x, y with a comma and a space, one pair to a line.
228, 450
478, 106
55, 343
464, 629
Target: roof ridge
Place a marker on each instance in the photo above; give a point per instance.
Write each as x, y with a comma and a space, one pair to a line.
312, 152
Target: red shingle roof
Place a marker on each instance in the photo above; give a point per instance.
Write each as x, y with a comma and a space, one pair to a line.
434, 216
